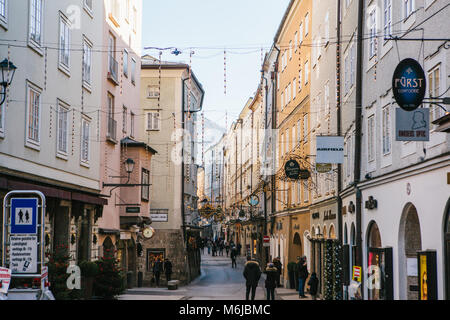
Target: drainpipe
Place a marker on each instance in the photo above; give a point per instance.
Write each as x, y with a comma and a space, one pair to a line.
274, 124
339, 133
358, 120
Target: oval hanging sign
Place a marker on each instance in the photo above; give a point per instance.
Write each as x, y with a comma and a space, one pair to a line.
323, 167
409, 84
292, 169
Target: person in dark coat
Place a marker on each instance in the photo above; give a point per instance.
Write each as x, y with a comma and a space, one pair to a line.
252, 274
233, 255
168, 269
271, 280
238, 249
313, 284
278, 266
302, 276
157, 268
227, 248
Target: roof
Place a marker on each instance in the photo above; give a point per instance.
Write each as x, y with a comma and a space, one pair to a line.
286, 14
133, 143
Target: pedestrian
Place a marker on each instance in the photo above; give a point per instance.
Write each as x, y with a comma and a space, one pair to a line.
302, 276
271, 280
168, 269
227, 248
278, 265
221, 246
202, 246
157, 268
239, 249
214, 249
252, 274
233, 255
209, 246
313, 285
354, 289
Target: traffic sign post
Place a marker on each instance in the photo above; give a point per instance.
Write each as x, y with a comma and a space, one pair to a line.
23, 241
266, 241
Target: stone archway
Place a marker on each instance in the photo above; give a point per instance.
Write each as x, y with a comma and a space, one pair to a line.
331, 233
374, 262
410, 241
108, 248
296, 246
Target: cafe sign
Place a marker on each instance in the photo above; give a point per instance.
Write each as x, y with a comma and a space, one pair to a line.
409, 84
293, 171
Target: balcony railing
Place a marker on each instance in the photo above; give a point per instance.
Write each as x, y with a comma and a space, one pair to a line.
112, 130
113, 70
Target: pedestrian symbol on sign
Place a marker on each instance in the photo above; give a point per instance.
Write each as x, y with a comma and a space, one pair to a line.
23, 216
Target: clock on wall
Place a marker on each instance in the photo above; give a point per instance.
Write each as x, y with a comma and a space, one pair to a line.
148, 232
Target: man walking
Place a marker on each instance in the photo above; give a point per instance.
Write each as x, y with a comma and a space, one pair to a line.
227, 248
168, 269
233, 255
302, 276
157, 267
252, 274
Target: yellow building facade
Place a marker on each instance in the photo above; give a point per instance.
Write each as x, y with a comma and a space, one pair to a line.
290, 222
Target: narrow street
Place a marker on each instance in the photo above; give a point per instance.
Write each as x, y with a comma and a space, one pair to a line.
218, 281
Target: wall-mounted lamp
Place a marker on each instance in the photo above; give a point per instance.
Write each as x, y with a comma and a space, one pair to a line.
8, 68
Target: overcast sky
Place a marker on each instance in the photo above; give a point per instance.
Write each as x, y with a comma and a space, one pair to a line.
241, 27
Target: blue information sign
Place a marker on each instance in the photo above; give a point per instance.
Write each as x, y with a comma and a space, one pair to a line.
24, 215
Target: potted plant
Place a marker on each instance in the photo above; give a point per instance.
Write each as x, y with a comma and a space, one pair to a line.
292, 271
89, 270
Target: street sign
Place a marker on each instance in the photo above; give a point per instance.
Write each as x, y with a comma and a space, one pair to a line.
24, 215
266, 241
5, 279
323, 167
23, 254
412, 125
330, 149
409, 84
357, 273
253, 201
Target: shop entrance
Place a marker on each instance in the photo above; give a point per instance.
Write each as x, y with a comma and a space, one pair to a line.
410, 242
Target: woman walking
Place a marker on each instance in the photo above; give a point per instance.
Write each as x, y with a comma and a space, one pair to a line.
271, 280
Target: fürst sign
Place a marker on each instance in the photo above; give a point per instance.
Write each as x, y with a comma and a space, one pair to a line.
409, 84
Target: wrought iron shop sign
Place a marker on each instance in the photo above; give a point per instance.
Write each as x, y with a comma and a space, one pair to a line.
409, 84
292, 171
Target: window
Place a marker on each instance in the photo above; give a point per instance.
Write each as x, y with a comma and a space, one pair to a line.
327, 28
306, 24
299, 131
2, 120
62, 121
125, 63
327, 98
408, 7
131, 124
352, 65
296, 40
433, 90
85, 128
299, 192
305, 128
88, 4
33, 114
282, 101
145, 180
152, 92
300, 40
290, 50
305, 191
124, 119
281, 146
346, 74
36, 22
115, 11
386, 130
306, 72
387, 18
133, 71
127, 10
294, 88
87, 62
349, 156
370, 138
372, 32
153, 121
4, 11
64, 42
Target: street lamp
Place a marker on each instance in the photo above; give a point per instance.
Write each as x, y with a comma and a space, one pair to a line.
7, 68
129, 166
